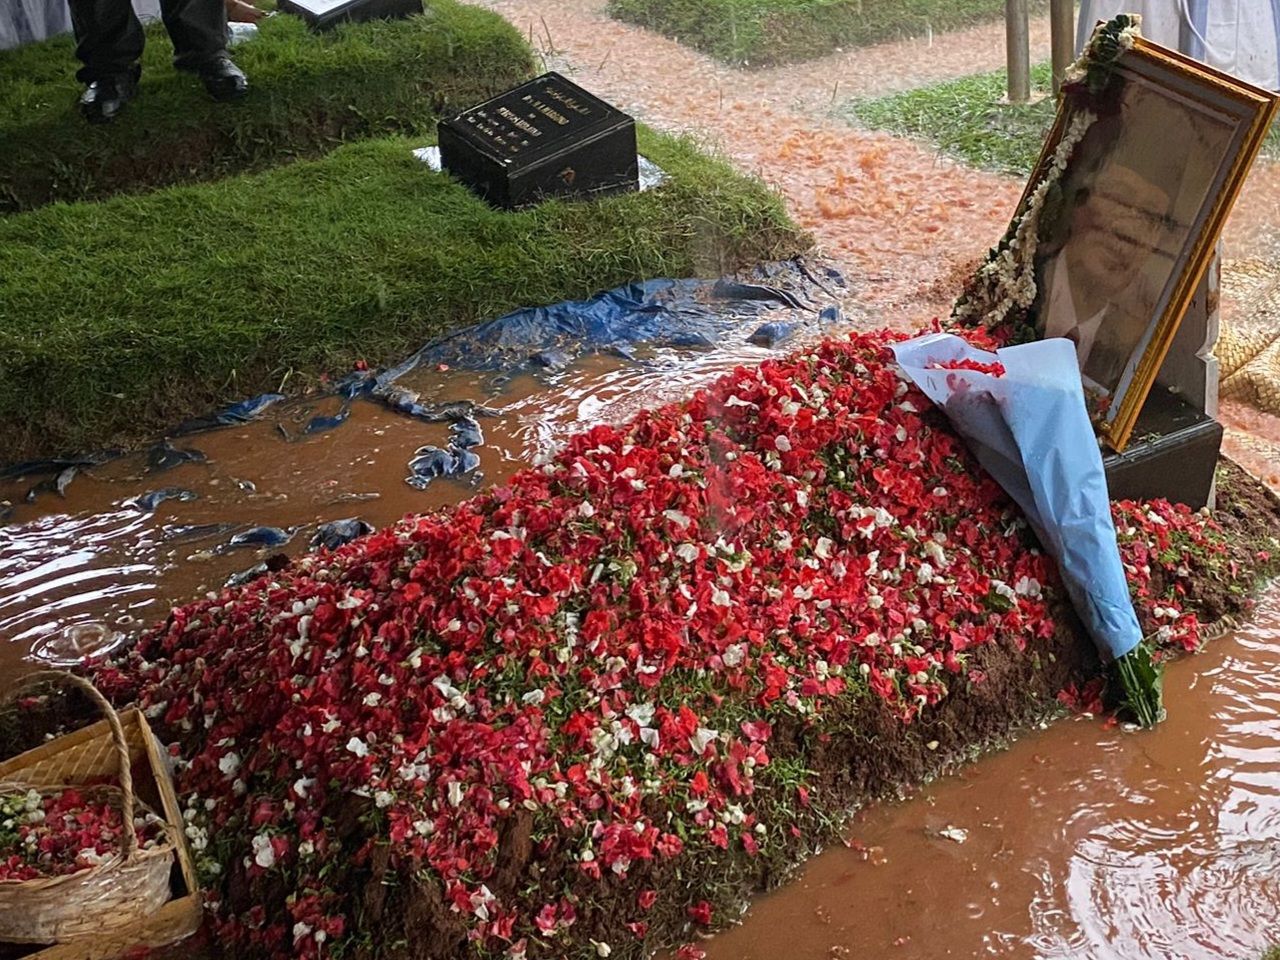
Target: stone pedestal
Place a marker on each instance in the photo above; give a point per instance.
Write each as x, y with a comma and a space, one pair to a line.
1191, 369
1176, 442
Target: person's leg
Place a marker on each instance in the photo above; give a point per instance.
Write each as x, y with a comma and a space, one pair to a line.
109, 42
108, 38
199, 32
198, 29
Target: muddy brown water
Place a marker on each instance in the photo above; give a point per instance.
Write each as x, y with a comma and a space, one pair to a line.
1080, 841
79, 573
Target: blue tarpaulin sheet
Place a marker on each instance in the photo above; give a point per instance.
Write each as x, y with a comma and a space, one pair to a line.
674, 313
1031, 431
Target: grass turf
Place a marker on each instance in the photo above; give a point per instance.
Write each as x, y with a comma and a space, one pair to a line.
966, 119
766, 32
308, 93
118, 318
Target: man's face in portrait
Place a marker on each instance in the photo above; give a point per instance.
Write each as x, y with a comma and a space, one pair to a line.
1116, 225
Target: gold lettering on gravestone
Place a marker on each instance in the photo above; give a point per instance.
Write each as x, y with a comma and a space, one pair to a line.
519, 122
566, 100
550, 112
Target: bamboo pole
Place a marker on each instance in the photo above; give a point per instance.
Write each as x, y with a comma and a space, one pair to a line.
1018, 49
1062, 15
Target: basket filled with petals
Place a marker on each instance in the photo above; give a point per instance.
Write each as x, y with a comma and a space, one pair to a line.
92, 860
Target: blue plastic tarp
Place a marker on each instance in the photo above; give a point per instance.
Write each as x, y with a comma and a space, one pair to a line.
674, 313
1031, 431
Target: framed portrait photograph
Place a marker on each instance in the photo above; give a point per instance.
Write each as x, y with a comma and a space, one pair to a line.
1135, 216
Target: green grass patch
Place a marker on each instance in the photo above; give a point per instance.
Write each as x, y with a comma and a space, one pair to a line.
308, 93
762, 33
121, 317
967, 119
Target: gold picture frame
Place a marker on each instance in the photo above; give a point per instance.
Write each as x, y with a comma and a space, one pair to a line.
1231, 118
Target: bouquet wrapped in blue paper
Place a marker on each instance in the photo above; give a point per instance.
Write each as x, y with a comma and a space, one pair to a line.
1022, 412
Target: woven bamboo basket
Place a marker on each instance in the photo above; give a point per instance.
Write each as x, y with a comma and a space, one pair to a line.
114, 896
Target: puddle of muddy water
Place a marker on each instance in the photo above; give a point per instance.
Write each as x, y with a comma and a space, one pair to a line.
79, 573
1079, 842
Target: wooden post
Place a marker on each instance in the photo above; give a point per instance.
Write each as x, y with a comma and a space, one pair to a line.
1017, 27
1062, 28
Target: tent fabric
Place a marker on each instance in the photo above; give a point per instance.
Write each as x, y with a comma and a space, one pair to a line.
28, 21
1239, 37
1030, 430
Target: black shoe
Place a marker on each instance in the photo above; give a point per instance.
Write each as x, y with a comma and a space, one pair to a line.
105, 97
224, 80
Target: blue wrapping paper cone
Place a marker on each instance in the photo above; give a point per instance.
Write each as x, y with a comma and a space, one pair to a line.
1029, 428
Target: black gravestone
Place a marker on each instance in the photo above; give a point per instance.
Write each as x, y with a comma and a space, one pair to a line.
320, 14
546, 138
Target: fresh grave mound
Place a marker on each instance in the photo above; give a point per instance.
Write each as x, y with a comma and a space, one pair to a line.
761, 33
308, 93
237, 287
588, 712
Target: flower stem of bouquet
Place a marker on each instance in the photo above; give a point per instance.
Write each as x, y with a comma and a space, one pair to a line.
1142, 682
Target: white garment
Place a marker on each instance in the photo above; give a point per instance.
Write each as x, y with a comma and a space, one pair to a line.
1239, 37
27, 21
24, 21
1060, 312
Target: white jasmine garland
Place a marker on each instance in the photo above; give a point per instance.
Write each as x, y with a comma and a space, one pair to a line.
1009, 277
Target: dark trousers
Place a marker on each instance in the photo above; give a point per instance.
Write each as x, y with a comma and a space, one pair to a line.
109, 36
